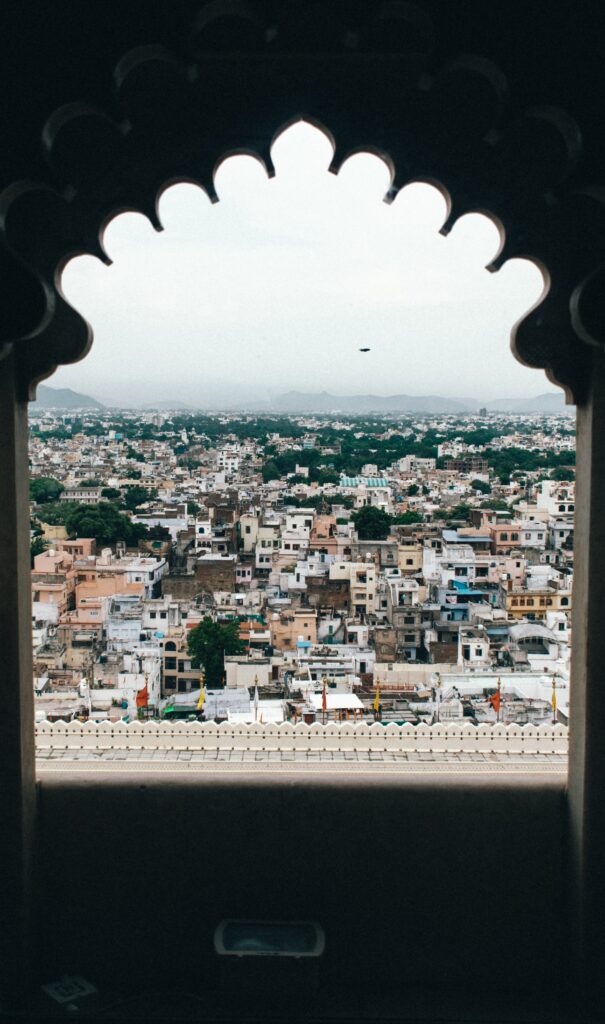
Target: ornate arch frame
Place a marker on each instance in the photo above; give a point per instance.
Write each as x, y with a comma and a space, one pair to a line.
235, 82
172, 117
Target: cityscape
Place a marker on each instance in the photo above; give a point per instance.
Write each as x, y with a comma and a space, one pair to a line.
255, 571
302, 407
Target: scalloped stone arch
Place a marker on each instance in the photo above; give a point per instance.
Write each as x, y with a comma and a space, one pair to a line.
169, 124
389, 77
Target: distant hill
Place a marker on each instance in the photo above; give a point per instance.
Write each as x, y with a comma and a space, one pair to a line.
299, 402
64, 398
552, 402
296, 401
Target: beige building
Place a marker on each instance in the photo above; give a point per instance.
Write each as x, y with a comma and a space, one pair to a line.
534, 604
410, 556
177, 674
248, 529
362, 584
292, 625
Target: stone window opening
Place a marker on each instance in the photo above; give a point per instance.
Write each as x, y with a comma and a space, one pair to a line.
587, 436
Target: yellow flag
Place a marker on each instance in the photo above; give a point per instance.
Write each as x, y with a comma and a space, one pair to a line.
376, 704
202, 696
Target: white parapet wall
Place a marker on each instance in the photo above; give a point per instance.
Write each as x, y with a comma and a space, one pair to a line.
302, 738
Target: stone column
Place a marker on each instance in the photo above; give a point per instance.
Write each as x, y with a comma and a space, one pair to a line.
17, 764
587, 718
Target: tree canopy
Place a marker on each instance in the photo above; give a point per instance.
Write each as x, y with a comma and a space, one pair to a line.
135, 495
410, 516
45, 488
104, 522
372, 523
208, 644
459, 512
37, 546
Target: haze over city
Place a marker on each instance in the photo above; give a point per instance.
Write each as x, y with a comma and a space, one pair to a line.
279, 285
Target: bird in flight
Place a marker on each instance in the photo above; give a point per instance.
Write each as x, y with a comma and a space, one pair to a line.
364, 349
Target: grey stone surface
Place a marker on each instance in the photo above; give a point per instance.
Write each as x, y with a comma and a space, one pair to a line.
317, 760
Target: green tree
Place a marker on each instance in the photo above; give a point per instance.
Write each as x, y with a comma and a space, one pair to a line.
111, 493
408, 517
372, 523
45, 489
104, 522
208, 644
480, 485
459, 512
271, 471
413, 489
37, 546
323, 475
53, 513
496, 504
562, 474
136, 495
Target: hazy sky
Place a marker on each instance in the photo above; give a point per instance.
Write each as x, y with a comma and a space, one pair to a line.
278, 285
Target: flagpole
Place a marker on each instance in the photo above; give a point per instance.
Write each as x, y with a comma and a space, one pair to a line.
553, 702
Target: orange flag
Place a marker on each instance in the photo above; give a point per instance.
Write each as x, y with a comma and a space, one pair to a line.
494, 700
143, 697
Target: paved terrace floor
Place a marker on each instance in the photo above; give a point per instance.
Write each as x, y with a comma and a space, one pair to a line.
296, 762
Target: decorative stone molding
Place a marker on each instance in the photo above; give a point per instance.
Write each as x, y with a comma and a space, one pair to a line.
206, 736
237, 79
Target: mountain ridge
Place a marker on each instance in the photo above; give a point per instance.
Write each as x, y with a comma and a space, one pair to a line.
299, 402
64, 398
296, 401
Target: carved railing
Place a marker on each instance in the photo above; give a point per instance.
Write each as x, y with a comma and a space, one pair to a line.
362, 738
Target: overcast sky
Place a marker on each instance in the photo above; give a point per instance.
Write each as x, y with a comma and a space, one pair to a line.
278, 285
